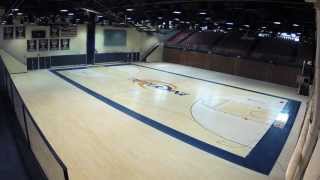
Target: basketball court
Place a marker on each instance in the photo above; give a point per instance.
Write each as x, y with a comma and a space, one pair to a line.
150, 118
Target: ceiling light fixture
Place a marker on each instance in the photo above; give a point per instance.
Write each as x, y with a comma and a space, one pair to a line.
295, 25
70, 14
63, 10
202, 13
129, 9
277, 22
176, 12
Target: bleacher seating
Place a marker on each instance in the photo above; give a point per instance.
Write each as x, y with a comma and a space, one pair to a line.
234, 44
176, 39
270, 59
202, 41
278, 51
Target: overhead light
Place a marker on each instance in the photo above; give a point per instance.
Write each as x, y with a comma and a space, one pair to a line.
19, 13
100, 16
176, 12
10, 14
263, 27
176, 19
16, 9
246, 25
129, 9
295, 25
129, 18
229, 23
90, 10
160, 17
63, 10
188, 22
70, 14
202, 13
277, 22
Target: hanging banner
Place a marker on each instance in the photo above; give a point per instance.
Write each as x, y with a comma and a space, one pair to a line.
54, 44
43, 45
65, 44
20, 32
54, 31
7, 33
32, 45
68, 31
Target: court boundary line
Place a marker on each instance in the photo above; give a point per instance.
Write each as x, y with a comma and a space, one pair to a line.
261, 158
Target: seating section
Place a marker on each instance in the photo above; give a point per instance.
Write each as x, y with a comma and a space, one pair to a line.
234, 44
276, 50
201, 40
239, 44
264, 58
275, 73
176, 39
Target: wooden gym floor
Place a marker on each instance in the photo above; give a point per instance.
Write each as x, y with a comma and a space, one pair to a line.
163, 121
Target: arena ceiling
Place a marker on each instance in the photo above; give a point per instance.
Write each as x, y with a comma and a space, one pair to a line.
277, 15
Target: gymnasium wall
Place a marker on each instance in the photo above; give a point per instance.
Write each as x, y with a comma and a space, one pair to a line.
133, 41
136, 42
279, 74
18, 47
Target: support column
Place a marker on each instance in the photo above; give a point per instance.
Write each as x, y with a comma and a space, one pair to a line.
91, 31
316, 115
313, 134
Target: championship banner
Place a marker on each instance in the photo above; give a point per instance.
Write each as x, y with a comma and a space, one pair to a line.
65, 44
69, 31
32, 45
7, 33
43, 45
54, 44
20, 32
54, 31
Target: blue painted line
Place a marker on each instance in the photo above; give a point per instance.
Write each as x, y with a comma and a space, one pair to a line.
260, 159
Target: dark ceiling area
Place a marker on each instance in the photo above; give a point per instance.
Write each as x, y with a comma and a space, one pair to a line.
274, 15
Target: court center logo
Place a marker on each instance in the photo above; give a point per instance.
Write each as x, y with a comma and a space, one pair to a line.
160, 86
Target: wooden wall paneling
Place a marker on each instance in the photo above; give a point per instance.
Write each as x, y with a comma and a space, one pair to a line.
253, 69
284, 75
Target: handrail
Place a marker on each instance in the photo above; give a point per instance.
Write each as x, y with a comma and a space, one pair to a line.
149, 51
